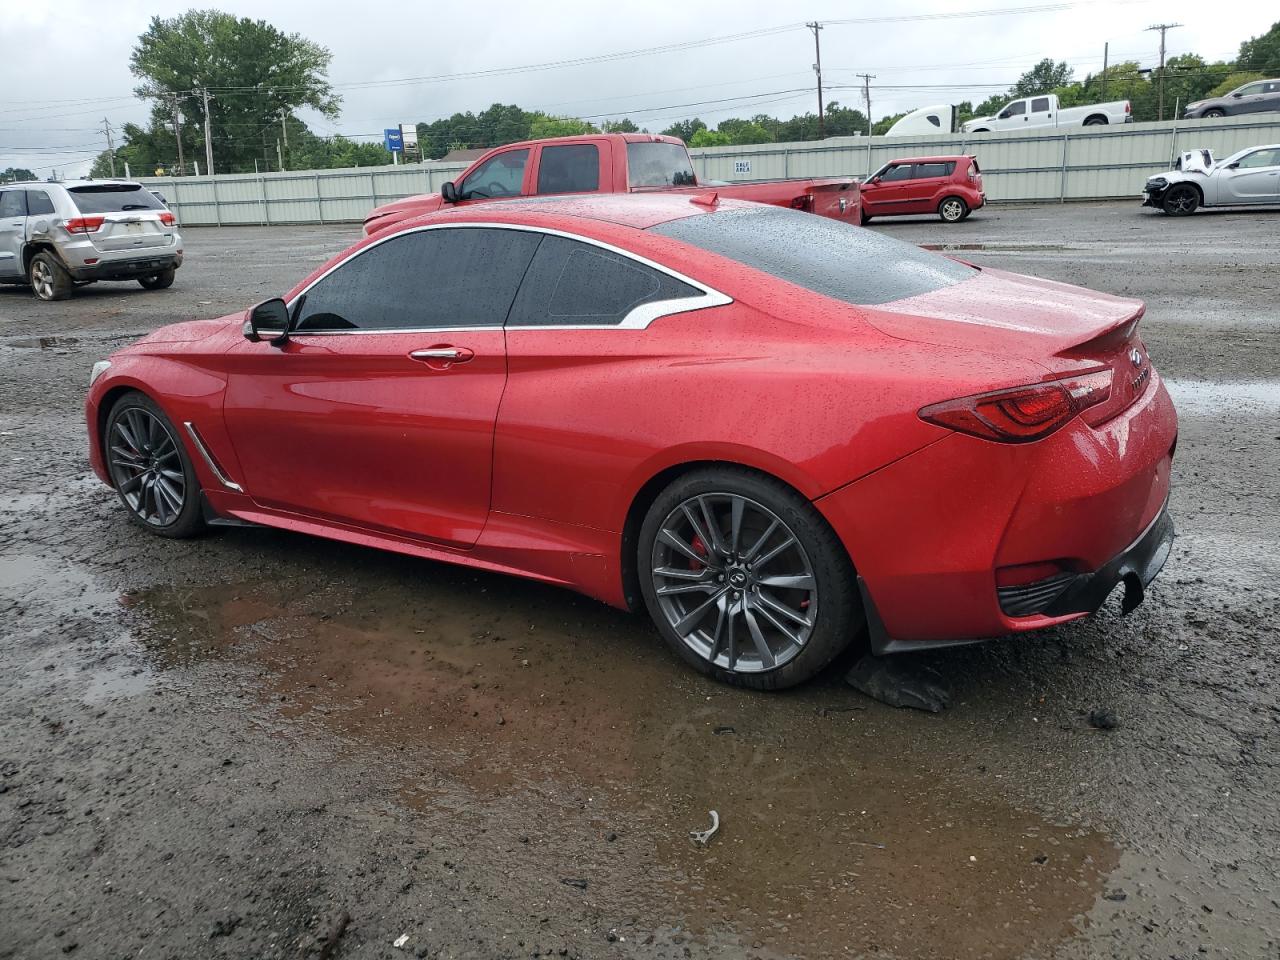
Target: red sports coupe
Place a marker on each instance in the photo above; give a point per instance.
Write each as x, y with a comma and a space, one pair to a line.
776, 432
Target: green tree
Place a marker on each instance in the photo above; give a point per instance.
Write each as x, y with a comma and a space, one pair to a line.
881, 126
1262, 53
500, 123
253, 72
1044, 77
744, 131
544, 126
619, 126
709, 138
685, 129
16, 175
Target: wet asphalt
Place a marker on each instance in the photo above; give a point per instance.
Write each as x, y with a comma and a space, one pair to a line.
262, 745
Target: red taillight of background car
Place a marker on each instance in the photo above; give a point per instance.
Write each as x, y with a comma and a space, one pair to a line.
85, 224
1022, 414
168, 219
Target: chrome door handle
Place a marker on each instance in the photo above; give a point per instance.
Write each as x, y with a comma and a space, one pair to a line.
438, 353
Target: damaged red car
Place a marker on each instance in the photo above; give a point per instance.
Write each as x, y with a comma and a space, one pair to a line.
778, 434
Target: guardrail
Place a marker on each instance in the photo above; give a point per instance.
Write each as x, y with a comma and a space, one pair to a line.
1082, 163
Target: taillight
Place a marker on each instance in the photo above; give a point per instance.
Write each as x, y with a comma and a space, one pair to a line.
168, 219
85, 224
1022, 414
803, 202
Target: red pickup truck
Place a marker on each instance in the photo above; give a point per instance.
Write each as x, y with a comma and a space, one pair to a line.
610, 163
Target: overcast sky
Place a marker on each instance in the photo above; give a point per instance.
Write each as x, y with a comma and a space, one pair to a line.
66, 65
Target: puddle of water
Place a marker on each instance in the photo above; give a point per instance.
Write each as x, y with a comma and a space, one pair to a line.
844, 825
1205, 397
37, 581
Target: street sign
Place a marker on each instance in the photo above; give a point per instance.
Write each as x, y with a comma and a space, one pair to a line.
409, 135
392, 140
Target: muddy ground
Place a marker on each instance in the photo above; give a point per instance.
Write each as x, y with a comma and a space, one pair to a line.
261, 745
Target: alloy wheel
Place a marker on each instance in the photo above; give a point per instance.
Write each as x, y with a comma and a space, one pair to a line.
146, 467
734, 582
952, 210
1182, 201
42, 280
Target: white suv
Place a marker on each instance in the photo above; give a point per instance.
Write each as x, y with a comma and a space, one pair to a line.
55, 236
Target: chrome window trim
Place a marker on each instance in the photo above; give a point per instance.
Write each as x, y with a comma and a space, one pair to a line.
638, 318
221, 477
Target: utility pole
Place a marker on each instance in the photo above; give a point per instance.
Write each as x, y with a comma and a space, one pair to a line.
111, 147
866, 92
1106, 50
817, 68
279, 156
284, 131
208, 136
1163, 28
177, 132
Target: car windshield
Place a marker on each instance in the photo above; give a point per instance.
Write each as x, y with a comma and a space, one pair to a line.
834, 259
659, 164
113, 198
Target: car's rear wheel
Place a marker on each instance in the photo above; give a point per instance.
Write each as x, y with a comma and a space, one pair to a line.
745, 580
1181, 199
1096, 122
1214, 114
159, 281
48, 279
953, 210
150, 468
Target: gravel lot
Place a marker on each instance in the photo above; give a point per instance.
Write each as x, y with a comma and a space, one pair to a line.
260, 745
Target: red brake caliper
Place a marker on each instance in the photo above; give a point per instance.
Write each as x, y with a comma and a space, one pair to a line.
699, 548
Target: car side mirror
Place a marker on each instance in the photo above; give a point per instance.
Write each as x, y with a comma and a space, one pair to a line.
874, 180
269, 320
449, 192
1232, 166
1237, 96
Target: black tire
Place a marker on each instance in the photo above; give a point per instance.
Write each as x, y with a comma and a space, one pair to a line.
48, 278
952, 209
1214, 114
178, 523
838, 621
980, 130
864, 218
1180, 200
1096, 122
159, 281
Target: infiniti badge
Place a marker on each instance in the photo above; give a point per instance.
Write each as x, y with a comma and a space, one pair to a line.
1135, 357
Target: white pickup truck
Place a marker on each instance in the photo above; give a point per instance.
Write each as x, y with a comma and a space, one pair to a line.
1044, 111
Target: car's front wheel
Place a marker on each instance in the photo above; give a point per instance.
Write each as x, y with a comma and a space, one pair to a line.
159, 281
1213, 114
953, 210
745, 580
150, 468
1181, 199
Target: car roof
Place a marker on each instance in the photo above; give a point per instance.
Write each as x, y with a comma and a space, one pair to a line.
68, 184
946, 159
638, 210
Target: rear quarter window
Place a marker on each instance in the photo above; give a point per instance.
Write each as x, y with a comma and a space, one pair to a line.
113, 198
836, 260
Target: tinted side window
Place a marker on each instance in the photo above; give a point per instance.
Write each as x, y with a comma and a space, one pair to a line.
464, 277
13, 203
1260, 158
900, 172
1040, 105
500, 176
924, 170
38, 203
573, 168
1016, 109
578, 284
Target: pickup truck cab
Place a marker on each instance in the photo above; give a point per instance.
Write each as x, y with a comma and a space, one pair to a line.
610, 163
1044, 111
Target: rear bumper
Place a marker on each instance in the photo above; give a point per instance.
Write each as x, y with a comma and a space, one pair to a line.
929, 533
126, 269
